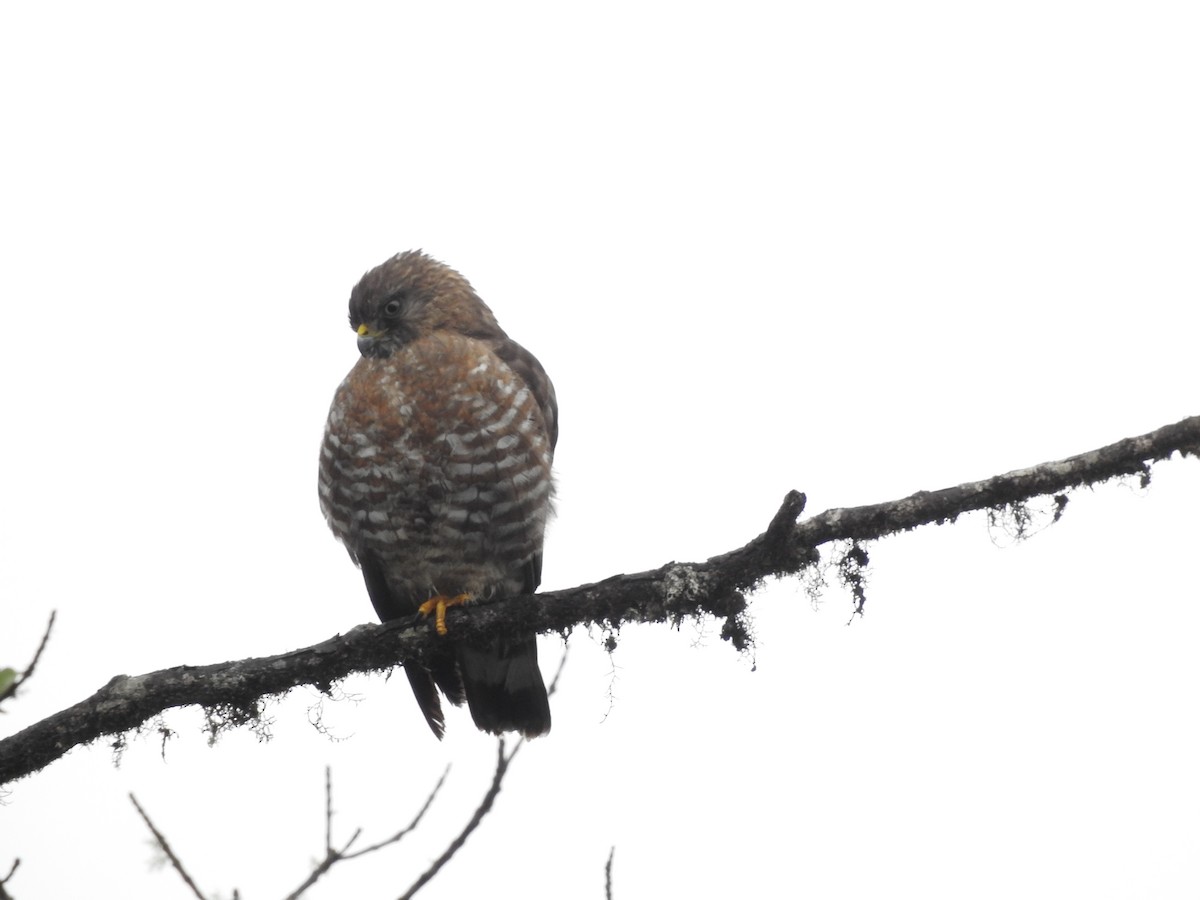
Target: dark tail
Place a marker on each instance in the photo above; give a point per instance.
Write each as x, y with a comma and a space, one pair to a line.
446, 676
504, 687
501, 683
443, 672
427, 698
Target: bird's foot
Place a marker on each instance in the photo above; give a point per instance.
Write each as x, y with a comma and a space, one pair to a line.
438, 605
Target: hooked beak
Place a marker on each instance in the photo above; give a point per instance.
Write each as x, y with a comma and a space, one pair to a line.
369, 343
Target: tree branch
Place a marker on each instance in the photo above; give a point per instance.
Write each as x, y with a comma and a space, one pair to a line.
11, 689
232, 693
332, 856
4, 894
161, 840
502, 762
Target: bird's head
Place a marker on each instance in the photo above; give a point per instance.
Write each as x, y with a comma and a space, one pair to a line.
413, 295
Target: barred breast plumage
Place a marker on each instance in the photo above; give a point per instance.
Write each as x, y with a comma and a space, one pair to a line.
435, 473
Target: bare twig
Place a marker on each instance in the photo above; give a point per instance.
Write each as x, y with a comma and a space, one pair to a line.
11, 690
328, 811
485, 806
166, 849
333, 856
4, 894
233, 691
407, 828
502, 763
562, 663
608, 874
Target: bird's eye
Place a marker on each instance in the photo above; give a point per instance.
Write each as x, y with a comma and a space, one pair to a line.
391, 309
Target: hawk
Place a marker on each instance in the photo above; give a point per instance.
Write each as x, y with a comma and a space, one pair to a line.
435, 473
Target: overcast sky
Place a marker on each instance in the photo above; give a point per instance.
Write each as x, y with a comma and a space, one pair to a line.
857, 248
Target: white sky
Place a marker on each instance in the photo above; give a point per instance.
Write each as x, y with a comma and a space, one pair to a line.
855, 248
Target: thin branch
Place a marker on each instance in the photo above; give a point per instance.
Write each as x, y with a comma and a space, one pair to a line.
562, 663
333, 856
11, 690
502, 763
411, 826
166, 848
4, 894
328, 811
232, 692
608, 874
489, 798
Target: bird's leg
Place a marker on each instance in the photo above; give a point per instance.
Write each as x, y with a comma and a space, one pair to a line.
439, 605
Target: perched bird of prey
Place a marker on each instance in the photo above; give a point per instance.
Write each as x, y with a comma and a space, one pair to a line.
435, 474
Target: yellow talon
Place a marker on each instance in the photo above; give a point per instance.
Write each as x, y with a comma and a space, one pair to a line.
439, 605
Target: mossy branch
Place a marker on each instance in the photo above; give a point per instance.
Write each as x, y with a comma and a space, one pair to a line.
233, 692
